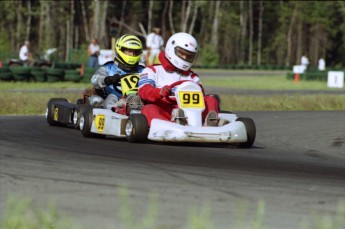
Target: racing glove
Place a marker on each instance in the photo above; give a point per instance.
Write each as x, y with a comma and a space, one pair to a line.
110, 80
165, 91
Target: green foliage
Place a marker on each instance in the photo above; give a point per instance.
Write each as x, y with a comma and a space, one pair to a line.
320, 34
79, 55
229, 34
126, 212
5, 52
7, 11
20, 214
201, 218
326, 221
209, 56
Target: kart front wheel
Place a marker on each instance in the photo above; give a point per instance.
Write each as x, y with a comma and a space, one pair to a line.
137, 128
251, 132
86, 123
52, 112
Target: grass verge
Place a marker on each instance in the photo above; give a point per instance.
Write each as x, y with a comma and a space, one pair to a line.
265, 83
30, 98
283, 103
20, 214
35, 103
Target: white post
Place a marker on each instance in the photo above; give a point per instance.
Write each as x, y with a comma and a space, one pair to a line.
335, 79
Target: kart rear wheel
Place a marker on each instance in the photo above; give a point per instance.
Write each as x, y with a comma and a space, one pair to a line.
77, 114
50, 110
137, 128
251, 132
80, 101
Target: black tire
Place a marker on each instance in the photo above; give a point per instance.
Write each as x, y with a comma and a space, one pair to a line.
39, 76
86, 122
6, 76
77, 114
44, 65
217, 97
225, 112
15, 64
50, 110
80, 101
251, 132
137, 128
85, 128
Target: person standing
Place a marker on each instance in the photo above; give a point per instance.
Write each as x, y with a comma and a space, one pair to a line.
24, 53
322, 64
305, 61
154, 44
93, 52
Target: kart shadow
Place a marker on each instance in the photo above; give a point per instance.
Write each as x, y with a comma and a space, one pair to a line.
184, 144
198, 145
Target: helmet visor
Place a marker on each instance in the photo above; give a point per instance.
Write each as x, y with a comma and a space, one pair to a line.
131, 52
185, 54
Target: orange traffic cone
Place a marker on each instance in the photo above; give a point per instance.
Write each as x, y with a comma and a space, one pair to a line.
82, 70
296, 78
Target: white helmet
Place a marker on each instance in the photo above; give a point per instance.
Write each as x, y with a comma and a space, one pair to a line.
181, 50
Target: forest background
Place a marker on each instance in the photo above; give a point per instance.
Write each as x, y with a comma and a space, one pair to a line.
229, 32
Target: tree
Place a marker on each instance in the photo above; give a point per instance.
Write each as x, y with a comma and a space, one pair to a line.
231, 32
261, 12
243, 25
251, 33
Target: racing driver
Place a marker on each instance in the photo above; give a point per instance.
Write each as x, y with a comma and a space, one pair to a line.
128, 50
154, 83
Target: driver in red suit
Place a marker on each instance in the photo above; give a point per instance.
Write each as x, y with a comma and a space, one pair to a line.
154, 83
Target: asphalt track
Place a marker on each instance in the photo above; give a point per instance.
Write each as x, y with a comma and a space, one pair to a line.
296, 167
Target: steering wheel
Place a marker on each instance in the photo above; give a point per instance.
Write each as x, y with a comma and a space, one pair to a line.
171, 98
178, 83
117, 82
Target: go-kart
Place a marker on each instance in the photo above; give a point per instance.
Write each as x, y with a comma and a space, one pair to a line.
40, 59
189, 97
95, 121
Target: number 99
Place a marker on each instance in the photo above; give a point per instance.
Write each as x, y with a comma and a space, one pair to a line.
187, 98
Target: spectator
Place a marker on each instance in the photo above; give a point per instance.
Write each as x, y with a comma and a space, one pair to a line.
24, 53
304, 60
322, 64
154, 43
93, 52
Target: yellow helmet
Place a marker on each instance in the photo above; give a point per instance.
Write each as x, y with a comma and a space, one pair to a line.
128, 50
